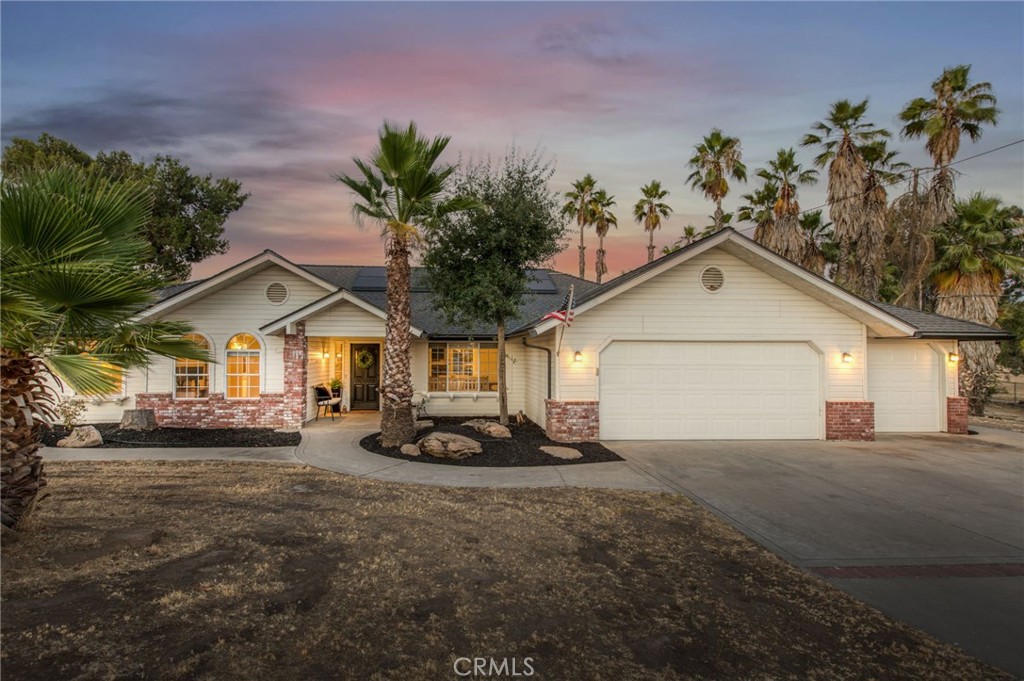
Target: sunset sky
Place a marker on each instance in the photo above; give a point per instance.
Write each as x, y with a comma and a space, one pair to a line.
281, 95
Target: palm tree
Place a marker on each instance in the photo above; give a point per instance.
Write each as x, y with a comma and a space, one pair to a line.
602, 219
869, 261
957, 108
976, 251
787, 239
650, 210
689, 236
578, 206
760, 209
401, 186
73, 277
820, 250
841, 136
715, 160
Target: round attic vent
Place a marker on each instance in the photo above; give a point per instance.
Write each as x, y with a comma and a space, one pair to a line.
712, 279
277, 293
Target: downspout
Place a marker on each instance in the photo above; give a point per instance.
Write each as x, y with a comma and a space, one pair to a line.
547, 350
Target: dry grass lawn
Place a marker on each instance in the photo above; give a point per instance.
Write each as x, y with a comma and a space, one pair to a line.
282, 572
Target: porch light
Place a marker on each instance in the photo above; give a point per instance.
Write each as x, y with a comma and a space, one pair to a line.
326, 354
847, 358
578, 357
953, 358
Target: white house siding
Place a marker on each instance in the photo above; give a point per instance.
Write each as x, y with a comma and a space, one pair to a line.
345, 320
467, 404
751, 306
535, 374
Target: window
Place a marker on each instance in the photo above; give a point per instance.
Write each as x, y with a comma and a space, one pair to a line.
118, 374
192, 376
463, 367
243, 370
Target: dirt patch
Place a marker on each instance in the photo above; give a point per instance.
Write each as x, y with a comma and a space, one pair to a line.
1004, 415
373, 580
523, 449
115, 438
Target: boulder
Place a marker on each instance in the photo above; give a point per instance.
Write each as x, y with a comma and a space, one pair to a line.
424, 424
489, 428
567, 453
82, 436
410, 450
449, 446
138, 419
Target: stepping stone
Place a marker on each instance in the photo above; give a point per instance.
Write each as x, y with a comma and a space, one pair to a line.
567, 453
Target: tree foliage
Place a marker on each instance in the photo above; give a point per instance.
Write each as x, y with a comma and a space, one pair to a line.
186, 221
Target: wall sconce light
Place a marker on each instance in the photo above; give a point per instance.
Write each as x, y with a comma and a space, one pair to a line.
326, 354
338, 356
847, 358
578, 357
953, 358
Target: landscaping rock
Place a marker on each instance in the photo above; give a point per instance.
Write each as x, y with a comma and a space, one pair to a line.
410, 450
82, 436
489, 428
567, 453
424, 424
449, 446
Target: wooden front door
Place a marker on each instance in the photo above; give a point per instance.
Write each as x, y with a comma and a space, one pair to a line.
365, 360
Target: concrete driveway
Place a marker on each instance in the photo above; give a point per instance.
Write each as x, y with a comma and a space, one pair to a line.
927, 528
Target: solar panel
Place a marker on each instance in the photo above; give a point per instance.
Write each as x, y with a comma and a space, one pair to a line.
370, 279
540, 282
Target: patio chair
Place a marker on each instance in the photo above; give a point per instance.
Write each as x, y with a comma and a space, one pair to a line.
325, 401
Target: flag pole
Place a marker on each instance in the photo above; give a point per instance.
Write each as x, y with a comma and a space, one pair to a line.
565, 322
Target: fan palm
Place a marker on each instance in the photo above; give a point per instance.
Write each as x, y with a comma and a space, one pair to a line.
715, 161
650, 210
976, 251
578, 206
72, 262
787, 239
820, 250
760, 209
401, 187
602, 218
867, 268
841, 136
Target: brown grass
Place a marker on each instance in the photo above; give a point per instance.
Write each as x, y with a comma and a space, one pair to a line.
279, 572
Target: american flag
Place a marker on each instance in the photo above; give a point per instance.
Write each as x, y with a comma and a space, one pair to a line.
565, 313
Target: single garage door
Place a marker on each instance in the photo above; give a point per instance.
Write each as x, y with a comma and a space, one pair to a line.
903, 382
710, 391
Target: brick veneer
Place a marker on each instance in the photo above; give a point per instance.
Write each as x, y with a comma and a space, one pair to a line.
956, 415
269, 410
572, 420
853, 420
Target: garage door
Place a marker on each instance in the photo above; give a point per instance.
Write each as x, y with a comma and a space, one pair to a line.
903, 382
703, 391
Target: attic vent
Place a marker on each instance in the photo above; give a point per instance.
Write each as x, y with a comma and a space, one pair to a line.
712, 279
277, 293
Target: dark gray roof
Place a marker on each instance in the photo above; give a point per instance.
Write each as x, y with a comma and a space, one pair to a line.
936, 326
175, 289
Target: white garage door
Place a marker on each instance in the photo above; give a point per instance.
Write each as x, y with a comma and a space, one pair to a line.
705, 391
903, 382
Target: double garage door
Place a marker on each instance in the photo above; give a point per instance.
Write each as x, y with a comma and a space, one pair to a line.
710, 391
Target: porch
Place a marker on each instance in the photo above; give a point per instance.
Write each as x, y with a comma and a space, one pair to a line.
350, 367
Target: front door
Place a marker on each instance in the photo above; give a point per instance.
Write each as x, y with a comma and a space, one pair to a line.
365, 358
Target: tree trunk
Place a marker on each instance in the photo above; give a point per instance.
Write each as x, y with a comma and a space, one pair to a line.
25, 404
719, 214
138, 419
583, 257
396, 421
650, 247
502, 387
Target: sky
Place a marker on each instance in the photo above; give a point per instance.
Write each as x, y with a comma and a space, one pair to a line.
282, 95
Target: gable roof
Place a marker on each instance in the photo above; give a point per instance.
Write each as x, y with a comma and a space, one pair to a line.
282, 323
938, 327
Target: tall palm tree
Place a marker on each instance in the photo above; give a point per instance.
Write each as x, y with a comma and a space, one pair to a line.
690, 235
787, 239
881, 169
910, 246
602, 218
841, 136
715, 161
957, 108
821, 250
578, 206
72, 260
760, 209
650, 210
976, 251
401, 186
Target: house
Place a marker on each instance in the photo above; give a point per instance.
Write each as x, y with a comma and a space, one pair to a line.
723, 339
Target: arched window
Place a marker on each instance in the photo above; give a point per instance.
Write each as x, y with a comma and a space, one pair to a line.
192, 376
243, 367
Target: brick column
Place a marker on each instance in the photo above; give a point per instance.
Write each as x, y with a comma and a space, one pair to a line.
295, 373
852, 420
956, 415
572, 420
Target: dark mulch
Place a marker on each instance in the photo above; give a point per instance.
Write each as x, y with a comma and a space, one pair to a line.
115, 438
522, 450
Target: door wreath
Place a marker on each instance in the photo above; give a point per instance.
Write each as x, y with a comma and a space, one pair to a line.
364, 359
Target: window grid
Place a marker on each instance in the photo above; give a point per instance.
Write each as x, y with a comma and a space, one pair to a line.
192, 376
463, 367
243, 367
